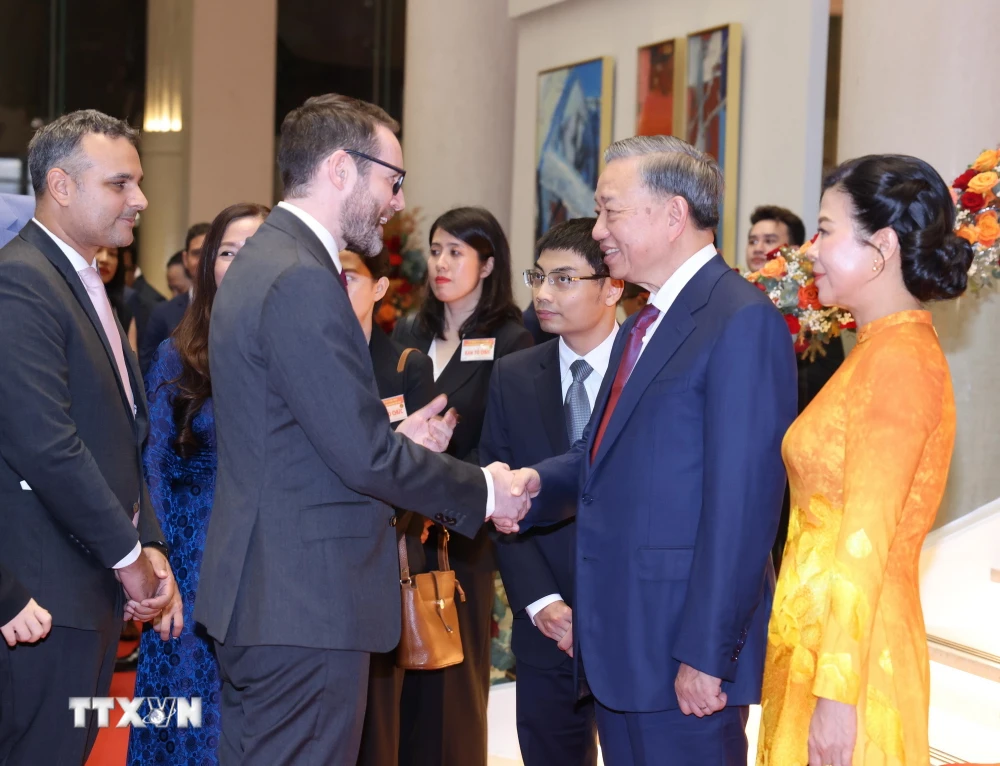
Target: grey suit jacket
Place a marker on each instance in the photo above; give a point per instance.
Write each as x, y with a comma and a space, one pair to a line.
70, 462
300, 548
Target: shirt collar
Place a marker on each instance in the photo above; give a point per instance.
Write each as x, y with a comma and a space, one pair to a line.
598, 358
664, 298
78, 262
318, 229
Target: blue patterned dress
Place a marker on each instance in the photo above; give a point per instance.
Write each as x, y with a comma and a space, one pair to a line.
181, 492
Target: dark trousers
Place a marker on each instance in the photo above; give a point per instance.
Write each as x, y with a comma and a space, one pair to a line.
36, 682
670, 737
443, 716
380, 736
554, 726
290, 706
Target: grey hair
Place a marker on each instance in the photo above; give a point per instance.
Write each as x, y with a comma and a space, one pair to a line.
670, 167
58, 143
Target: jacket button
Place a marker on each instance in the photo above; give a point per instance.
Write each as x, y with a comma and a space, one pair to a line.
587, 499
439, 517
392, 520
452, 520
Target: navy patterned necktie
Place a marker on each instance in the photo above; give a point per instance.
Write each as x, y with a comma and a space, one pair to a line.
577, 406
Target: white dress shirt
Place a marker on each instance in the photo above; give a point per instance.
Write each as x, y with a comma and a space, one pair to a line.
598, 359
664, 298
79, 263
331, 247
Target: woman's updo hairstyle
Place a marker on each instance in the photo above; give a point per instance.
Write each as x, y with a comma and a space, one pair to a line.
907, 195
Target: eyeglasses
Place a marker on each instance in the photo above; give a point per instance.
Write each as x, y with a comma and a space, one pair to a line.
535, 279
398, 183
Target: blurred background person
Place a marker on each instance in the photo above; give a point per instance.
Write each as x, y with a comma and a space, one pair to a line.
177, 276
467, 321
405, 379
112, 271
632, 300
140, 296
771, 227
180, 461
164, 318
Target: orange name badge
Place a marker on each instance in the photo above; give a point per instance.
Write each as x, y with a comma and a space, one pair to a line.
396, 408
478, 349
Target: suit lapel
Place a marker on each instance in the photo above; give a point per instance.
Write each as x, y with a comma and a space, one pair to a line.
677, 324
457, 373
548, 390
291, 224
57, 258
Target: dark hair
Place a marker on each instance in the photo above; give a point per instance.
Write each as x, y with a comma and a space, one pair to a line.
58, 143
321, 126
575, 235
476, 227
796, 229
907, 195
177, 259
196, 230
194, 385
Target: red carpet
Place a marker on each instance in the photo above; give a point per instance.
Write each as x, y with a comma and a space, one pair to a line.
112, 744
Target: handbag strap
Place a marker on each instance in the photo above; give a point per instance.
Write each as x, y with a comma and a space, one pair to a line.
401, 365
404, 560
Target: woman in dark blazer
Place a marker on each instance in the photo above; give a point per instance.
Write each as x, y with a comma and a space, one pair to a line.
467, 321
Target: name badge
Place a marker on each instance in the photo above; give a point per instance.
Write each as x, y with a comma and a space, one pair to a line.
396, 407
478, 349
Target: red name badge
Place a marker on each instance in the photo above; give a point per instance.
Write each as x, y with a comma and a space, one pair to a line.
478, 349
396, 408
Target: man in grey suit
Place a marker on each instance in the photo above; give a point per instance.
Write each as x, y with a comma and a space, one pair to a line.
76, 525
15, 212
299, 581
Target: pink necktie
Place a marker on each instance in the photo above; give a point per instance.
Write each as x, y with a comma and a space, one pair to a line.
98, 296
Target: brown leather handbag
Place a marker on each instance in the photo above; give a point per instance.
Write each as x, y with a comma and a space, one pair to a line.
430, 638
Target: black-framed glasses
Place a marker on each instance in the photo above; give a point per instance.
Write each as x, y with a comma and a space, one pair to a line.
398, 183
535, 279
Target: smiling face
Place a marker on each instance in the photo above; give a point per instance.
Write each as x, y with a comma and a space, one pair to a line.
372, 203
631, 222
102, 198
235, 236
843, 262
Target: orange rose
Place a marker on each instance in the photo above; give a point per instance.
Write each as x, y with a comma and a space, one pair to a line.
984, 182
986, 161
809, 297
775, 268
989, 229
969, 233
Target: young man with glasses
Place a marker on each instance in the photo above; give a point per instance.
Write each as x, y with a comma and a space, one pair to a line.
540, 400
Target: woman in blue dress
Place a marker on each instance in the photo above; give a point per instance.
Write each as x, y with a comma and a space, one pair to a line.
180, 464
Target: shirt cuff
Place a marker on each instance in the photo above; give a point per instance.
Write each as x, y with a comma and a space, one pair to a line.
131, 558
536, 606
491, 501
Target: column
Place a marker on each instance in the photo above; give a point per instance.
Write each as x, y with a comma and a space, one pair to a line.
937, 106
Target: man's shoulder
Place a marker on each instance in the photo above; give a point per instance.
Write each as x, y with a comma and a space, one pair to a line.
528, 360
733, 294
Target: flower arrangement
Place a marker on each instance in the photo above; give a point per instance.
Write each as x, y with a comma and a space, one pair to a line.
787, 278
408, 269
976, 217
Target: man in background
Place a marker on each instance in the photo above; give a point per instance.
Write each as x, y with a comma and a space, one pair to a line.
177, 276
165, 317
540, 399
140, 296
772, 227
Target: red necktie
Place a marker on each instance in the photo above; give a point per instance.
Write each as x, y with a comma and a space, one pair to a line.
647, 315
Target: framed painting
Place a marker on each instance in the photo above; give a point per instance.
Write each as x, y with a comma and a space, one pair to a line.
659, 108
573, 128
712, 113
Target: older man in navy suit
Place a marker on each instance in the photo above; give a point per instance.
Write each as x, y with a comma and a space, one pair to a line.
676, 485
15, 212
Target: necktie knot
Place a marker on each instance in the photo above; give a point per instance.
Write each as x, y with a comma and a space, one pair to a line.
91, 278
580, 370
647, 315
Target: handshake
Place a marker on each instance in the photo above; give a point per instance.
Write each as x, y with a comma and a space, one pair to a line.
513, 491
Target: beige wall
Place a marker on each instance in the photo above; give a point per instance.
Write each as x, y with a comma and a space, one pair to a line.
458, 107
912, 91
231, 139
783, 89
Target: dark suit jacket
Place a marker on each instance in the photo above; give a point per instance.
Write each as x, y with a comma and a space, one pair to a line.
467, 385
68, 433
525, 424
141, 299
300, 548
163, 320
416, 385
679, 509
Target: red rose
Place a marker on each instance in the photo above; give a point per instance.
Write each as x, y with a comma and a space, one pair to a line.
801, 345
773, 253
395, 259
962, 182
972, 201
793, 324
852, 325
761, 287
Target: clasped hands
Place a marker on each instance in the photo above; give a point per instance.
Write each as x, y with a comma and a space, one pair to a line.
152, 594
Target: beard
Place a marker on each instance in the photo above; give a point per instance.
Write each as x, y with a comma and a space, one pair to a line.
360, 221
